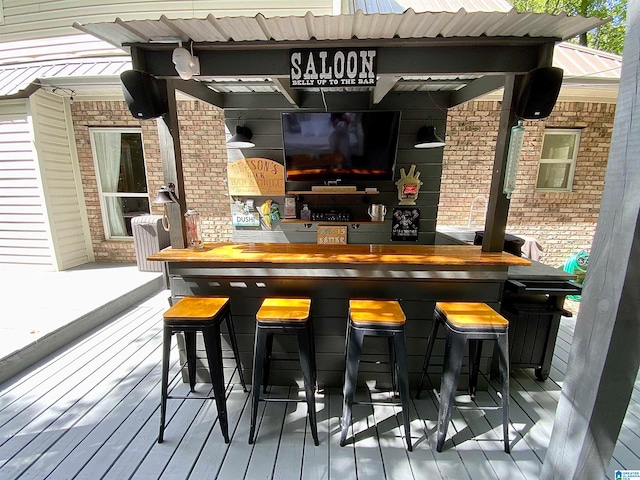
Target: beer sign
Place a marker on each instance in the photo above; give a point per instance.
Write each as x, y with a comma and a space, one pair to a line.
333, 67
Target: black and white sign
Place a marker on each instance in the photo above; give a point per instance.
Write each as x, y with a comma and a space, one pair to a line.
405, 224
333, 67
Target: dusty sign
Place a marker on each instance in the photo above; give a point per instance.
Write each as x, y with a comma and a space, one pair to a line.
255, 176
333, 67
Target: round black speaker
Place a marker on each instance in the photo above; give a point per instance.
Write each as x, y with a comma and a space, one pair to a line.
145, 94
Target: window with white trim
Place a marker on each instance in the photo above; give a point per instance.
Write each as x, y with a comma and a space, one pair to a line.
122, 180
557, 160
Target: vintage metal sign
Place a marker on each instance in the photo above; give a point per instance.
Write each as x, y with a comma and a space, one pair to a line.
251, 219
332, 234
333, 67
255, 176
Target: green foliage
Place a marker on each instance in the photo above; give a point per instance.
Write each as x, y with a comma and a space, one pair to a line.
608, 37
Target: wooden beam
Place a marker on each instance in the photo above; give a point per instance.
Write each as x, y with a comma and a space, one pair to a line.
171, 156
477, 88
200, 91
498, 208
292, 95
384, 85
604, 359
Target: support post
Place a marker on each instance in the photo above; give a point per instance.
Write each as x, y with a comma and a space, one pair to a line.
171, 155
604, 359
498, 207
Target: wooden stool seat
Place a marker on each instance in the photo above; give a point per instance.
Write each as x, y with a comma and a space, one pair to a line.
195, 309
284, 310
383, 312
283, 316
377, 318
466, 315
190, 316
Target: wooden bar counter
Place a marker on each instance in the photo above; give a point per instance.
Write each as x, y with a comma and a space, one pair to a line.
416, 275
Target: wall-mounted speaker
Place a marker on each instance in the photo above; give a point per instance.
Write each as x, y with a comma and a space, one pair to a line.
145, 94
539, 92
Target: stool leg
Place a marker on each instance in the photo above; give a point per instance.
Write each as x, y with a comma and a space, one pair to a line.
258, 366
234, 346
403, 382
350, 378
475, 351
308, 373
392, 364
312, 344
213, 346
190, 346
267, 362
503, 352
166, 349
453, 355
427, 355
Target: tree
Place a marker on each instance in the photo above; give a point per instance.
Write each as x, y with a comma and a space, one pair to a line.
608, 37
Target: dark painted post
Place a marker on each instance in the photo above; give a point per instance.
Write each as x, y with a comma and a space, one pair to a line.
171, 155
498, 207
605, 353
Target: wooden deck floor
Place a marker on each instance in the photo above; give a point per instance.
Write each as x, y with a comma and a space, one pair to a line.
91, 411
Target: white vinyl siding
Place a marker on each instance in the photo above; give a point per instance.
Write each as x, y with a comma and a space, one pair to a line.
63, 194
24, 19
24, 238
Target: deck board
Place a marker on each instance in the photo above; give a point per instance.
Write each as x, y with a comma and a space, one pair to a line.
92, 411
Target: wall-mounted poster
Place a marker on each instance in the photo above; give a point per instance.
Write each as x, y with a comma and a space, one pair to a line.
404, 224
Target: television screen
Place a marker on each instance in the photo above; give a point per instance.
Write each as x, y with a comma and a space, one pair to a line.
321, 146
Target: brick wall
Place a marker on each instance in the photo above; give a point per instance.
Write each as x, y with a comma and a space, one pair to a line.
562, 222
204, 159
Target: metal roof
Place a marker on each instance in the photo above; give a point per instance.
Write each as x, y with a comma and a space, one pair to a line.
399, 6
406, 25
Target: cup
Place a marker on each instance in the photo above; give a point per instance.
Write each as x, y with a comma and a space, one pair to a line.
377, 212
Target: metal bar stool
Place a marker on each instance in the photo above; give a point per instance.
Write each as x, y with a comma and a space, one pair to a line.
472, 323
284, 316
381, 318
189, 316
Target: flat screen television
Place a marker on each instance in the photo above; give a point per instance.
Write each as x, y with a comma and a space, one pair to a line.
346, 146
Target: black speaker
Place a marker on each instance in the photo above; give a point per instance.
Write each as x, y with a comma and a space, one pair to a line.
539, 92
145, 94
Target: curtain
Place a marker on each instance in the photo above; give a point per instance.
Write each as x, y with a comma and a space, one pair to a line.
107, 146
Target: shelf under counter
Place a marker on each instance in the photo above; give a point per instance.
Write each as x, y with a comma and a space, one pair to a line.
329, 222
336, 192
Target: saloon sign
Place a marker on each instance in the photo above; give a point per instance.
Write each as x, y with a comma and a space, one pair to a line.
333, 67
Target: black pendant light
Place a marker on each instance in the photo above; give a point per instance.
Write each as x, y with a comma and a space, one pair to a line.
242, 138
427, 138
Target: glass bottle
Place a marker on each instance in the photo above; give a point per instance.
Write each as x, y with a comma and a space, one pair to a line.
194, 229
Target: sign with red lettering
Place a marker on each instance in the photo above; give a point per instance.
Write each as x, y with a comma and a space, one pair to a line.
333, 67
255, 176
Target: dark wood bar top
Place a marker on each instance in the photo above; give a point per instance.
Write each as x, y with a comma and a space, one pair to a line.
297, 253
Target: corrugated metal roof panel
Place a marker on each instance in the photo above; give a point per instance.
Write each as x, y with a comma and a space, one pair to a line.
579, 61
399, 6
18, 77
459, 24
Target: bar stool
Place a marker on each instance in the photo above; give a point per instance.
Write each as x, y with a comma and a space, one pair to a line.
380, 318
284, 316
472, 322
189, 316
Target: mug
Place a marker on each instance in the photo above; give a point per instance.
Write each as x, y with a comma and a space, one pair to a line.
377, 212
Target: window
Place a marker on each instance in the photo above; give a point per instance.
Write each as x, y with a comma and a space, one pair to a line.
558, 160
122, 180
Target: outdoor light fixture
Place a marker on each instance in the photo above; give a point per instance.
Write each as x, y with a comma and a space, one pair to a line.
513, 158
242, 138
166, 195
187, 65
427, 137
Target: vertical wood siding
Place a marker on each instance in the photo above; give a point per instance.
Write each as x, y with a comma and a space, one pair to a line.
23, 223
63, 196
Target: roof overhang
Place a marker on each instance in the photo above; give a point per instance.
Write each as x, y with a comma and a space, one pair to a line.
465, 54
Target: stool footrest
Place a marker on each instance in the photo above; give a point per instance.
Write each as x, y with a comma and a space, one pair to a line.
379, 404
282, 400
184, 397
